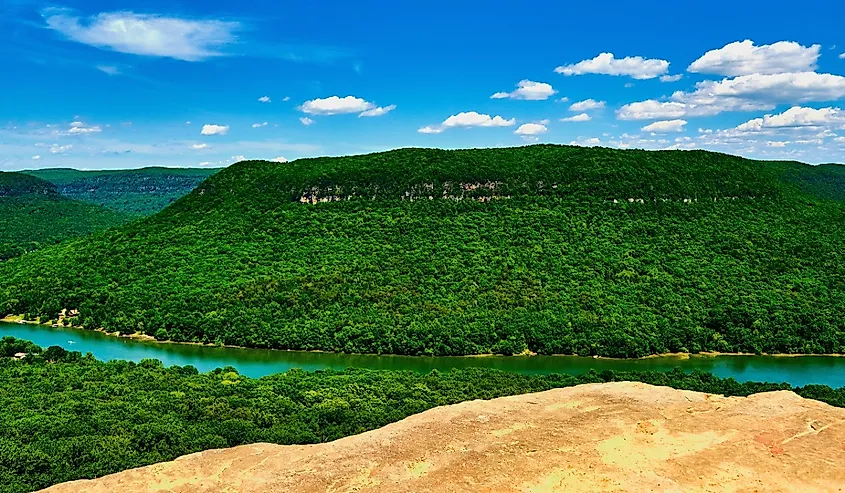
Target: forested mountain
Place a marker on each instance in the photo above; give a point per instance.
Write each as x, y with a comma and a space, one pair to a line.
33, 214
135, 191
553, 249
65, 416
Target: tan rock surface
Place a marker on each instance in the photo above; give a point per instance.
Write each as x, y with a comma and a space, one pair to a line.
603, 437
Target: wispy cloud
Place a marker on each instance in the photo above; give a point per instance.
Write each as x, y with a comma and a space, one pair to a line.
109, 69
149, 35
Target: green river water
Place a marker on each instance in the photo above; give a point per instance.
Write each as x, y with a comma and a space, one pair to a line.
799, 370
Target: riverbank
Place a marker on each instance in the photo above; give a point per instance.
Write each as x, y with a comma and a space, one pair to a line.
525, 354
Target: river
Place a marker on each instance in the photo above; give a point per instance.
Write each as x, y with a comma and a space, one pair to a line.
798, 370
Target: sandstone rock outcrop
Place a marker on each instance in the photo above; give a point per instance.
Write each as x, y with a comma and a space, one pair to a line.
590, 438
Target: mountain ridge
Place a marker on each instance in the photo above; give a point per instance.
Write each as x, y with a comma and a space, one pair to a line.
553, 249
33, 214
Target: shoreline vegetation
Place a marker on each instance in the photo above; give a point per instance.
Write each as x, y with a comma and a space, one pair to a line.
56, 425
148, 338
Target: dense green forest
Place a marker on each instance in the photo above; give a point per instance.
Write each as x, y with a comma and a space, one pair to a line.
134, 191
553, 249
65, 416
33, 214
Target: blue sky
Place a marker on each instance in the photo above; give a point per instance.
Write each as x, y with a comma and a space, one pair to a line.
95, 84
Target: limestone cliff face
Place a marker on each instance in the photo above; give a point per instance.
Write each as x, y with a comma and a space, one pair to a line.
603, 437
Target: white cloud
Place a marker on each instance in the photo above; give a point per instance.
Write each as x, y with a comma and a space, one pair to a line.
237, 159
591, 142
306, 121
200, 146
79, 128
109, 69
206, 163
562, 100
36, 158
187, 123
755, 92
286, 98
215, 129
264, 99
60, 149
605, 63
381, 110
473, 119
468, 119
531, 129
671, 78
777, 143
280, 159
582, 117
665, 126
796, 116
528, 90
335, 105
744, 58
587, 105
259, 125
145, 34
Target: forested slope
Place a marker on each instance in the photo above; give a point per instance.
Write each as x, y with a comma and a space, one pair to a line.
554, 249
65, 416
135, 191
33, 214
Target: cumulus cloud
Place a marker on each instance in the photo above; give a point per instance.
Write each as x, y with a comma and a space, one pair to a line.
665, 126
528, 90
264, 99
381, 110
796, 116
36, 158
335, 105
80, 128
587, 105
306, 121
259, 125
590, 142
581, 117
468, 119
280, 159
744, 58
286, 99
214, 129
671, 78
531, 129
60, 149
145, 34
607, 64
755, 92
200, 146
